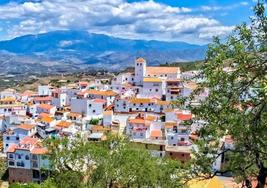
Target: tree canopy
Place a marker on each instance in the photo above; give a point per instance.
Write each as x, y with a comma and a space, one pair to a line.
111, 163
235, 73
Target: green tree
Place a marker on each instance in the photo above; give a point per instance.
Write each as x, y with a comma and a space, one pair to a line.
235, 72
111, 163
94, 121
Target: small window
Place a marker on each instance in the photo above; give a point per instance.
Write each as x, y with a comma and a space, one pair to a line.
156, 90
137, 64
11, 156
172, 137
93, 111
7, 137
27, 157
11, 163
170, 153
90, 105
17, 138
6, 145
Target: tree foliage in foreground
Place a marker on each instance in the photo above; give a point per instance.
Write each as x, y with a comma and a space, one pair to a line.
112, 163
236, 75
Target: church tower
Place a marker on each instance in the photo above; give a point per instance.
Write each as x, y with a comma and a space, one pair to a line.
140, 71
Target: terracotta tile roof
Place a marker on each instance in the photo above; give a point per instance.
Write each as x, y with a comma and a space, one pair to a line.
184, 116
99, 128
26, 127
136, 121
29, 93
127, 85
97, 92
160, 102
151, 79
47, 119
74, 114
150, 118
29, 143
140, 100
156, 133
99, 100
140, 60
42, 115
83, 83
42, 99
39, 150
161, 70
64, 124
8, 99
45, 106
170, 124
29, 140
11, 148
109, 112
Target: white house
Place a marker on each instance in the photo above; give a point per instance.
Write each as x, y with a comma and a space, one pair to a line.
174, 89
46, 108
140, 105
88, 107
107, 118
14, 136
26, 160
107, 95
44, 90
8, 93
9, 106
153, 88
59, 99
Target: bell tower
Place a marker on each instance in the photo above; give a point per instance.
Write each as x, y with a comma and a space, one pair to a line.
140, 71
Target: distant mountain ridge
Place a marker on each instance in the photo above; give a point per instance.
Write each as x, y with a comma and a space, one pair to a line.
98, 50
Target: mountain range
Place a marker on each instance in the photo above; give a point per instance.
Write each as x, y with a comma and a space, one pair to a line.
62, 51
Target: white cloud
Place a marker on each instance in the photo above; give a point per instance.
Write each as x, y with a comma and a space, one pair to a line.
216, 8
137, 20
208, 32
244, 3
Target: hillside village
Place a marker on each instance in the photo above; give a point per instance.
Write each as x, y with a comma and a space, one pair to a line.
140, 105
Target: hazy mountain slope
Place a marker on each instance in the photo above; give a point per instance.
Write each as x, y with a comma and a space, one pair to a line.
96, 50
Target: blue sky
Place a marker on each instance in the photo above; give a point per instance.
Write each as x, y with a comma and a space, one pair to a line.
193, 21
